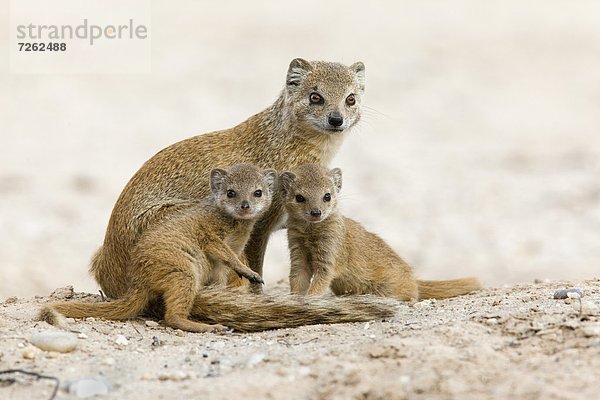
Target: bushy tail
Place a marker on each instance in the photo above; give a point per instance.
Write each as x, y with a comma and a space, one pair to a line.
449, 288
242, 311
128, 307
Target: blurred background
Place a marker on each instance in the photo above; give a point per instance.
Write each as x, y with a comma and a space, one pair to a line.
478, 153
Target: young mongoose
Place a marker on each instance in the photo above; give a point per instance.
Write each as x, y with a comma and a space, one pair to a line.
328, 250
306, 124
190, 251
177, 261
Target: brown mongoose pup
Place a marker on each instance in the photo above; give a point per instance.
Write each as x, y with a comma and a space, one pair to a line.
328, 250
190, 251
175, 262
306, 124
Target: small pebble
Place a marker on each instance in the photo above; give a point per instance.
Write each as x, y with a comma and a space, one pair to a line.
424, 303
11, 300
82, 336
121, 340
63, 293
90, 319
29, 353
151, 324
62, 342
88, 387
156, 341
174, 376
564, 293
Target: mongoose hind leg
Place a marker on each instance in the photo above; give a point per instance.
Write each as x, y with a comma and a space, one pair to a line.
109, 265
178, 297
404, 288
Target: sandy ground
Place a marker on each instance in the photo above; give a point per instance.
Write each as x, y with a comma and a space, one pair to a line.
478, 154
515, 342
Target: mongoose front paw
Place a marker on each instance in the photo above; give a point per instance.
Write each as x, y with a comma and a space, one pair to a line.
255, 278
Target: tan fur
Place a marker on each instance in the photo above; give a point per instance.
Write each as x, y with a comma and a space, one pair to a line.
189, 251
290, 132
246, 312
328, 250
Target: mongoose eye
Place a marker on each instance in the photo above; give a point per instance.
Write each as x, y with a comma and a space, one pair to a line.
230, 193
327, 197
351, 100
299, 198
257, 193
315, 98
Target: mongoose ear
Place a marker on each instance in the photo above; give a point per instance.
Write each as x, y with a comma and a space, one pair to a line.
269, 177
336, 176
286, 180
297, 71
359, 69
217, 177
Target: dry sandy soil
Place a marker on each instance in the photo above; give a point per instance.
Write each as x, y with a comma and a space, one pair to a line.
478, 154
515, 342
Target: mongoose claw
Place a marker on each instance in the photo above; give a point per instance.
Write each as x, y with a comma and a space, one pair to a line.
255, 278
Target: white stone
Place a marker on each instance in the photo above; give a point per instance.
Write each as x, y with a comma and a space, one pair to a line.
63, 342
88, 387
151, 324
121, 340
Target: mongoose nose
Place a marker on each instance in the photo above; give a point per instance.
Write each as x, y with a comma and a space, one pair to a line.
315, 212
335, 119
245, 205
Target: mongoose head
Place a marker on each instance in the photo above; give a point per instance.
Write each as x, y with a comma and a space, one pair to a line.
310, 191
325, 96
243, 191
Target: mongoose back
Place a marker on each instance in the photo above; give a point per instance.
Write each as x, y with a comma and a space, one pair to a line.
190, 251
328, 250
306, 124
